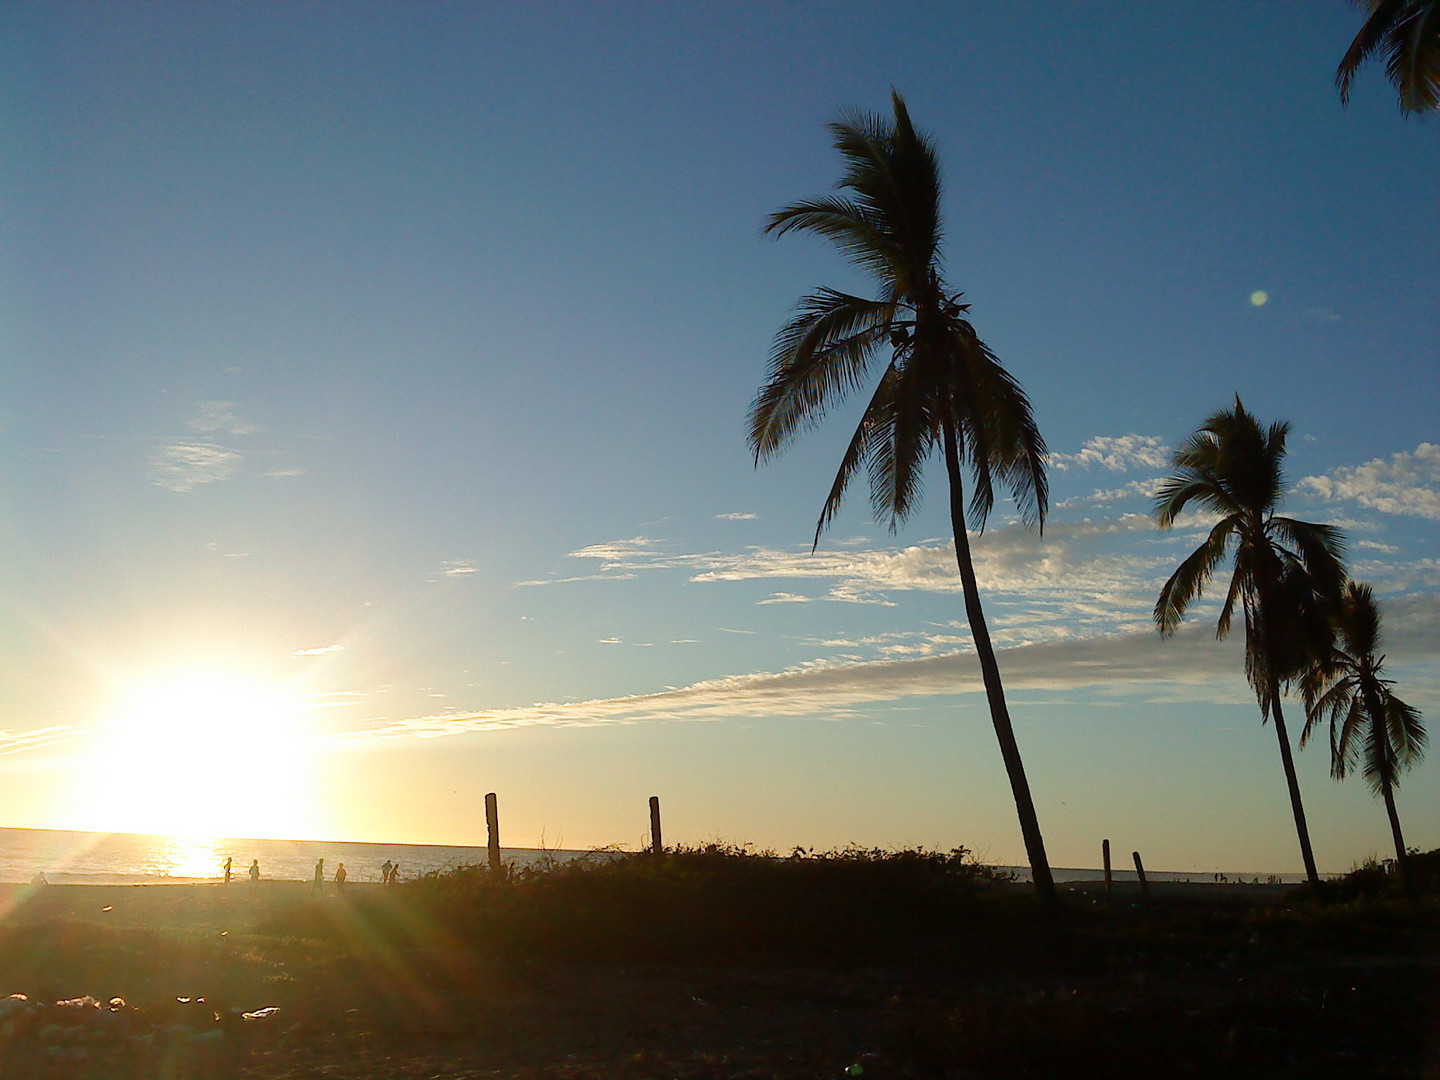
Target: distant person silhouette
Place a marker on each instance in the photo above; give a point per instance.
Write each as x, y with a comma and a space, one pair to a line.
395, 874
340, 877
385, 870
227, 870
255, 872
319, 876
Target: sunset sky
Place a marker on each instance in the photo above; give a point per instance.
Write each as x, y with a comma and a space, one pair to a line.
372, 420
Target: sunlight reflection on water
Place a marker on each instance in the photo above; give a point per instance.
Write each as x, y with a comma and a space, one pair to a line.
187, 857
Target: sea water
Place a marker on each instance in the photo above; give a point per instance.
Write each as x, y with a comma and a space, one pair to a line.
80, 858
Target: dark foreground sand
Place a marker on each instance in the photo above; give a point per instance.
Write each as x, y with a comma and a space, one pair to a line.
1201, 980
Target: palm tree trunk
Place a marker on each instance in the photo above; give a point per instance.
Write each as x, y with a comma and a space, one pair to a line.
1290, 778
990, 671
1400, 860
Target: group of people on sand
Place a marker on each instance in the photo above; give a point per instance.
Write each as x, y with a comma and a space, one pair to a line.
389, 874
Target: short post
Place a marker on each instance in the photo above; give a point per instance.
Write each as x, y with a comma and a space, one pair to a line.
492, 827
1140, 872
1109, 882
656, 846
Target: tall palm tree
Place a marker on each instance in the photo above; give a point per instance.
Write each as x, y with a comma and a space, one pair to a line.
940, 387
1369, 725
1407, 34
1286, 571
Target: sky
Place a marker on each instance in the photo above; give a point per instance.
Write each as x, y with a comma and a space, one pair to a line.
373, 398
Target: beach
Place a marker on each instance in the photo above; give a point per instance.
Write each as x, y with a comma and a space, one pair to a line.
273, 981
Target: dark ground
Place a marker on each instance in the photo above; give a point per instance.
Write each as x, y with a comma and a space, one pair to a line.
1235, 984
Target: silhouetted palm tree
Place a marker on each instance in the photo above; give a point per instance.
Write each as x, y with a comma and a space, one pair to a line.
941, 387
1287, 572
1369, 725
1407, 34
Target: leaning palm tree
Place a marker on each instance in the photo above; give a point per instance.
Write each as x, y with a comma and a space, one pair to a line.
1369, 725
939, 388
1407, 34
1287, 572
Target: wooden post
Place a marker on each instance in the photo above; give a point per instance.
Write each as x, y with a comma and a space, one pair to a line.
656, 847
1105, 850
1140, 871
492, 827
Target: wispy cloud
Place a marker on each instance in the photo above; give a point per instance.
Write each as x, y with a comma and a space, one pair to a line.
18, 742
219, 416
457, 568
737, 516
183, 466
1408, 484
1193, 667
786, 598
1116, 453
323, 650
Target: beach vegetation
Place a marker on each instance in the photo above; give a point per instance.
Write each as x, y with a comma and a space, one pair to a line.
940, 390
1287, 573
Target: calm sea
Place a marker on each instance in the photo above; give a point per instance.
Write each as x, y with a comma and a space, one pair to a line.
79, 858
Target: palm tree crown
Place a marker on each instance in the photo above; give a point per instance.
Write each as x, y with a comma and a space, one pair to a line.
1284, 568
939, 388
939, 376
1287, 572
1369, 725
1407, 34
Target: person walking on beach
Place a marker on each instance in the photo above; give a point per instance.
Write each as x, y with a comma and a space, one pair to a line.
395, 874
319, 886
228, 861
340, 876
385, 868
255, 872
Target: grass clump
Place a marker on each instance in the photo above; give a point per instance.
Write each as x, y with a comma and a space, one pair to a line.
711, 902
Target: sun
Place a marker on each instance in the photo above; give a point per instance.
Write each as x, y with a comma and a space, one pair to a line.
203, 752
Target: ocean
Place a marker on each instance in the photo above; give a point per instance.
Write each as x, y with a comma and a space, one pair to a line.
81, 858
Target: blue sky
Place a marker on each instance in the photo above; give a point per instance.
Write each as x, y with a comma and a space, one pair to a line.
383, 368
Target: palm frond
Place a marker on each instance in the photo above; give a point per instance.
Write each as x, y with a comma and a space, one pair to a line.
870, 439
1321, 550
1407, 34
1406, 731
820, 356
1189, 579
1371, 37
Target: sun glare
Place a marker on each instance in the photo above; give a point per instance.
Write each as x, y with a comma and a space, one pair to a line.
205, 753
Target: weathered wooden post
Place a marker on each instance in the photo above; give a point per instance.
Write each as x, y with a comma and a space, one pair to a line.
492, 827
656, 847
1140, 872
1105, 850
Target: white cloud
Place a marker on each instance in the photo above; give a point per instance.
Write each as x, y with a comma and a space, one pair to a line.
1408, 484
456, 568
216, 416
786, 598
1117, 453
737, 516
323, 650
184, 466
